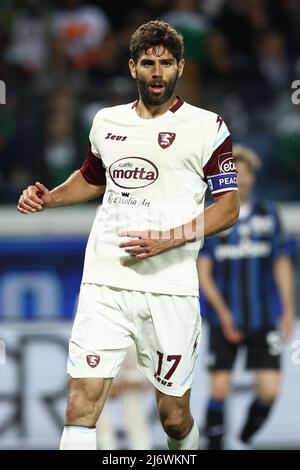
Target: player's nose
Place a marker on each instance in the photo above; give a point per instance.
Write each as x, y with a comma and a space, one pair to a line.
157, 70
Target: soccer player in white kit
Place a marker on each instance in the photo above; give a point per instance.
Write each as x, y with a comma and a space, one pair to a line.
154, 160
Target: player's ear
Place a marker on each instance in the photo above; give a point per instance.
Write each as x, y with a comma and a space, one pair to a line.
181, 64
132, 68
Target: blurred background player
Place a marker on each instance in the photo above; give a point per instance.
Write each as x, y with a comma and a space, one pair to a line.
246, 279
130, 387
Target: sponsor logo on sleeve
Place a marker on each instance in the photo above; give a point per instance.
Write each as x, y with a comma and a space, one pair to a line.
227, 177
226, 163
2, 92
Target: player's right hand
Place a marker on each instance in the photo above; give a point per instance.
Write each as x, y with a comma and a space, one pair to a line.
231, 333
35, 198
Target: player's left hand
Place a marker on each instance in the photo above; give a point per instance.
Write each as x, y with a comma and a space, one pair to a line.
147, 243
287, 325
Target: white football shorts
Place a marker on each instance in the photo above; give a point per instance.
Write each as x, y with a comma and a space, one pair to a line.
165, 330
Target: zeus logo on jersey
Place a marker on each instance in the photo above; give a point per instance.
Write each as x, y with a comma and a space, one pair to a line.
133, 172
111, 136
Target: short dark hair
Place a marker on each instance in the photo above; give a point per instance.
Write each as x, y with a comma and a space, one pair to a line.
155, 33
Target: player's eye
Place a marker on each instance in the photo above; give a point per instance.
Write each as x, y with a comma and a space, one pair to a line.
146, 63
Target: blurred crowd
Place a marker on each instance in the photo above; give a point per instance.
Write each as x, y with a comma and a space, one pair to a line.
62, 60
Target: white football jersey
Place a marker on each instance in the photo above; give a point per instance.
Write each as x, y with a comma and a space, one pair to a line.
156, 173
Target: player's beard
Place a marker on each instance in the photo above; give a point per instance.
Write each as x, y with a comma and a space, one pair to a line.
156, 99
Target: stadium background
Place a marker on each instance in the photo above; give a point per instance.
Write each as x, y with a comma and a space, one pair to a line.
63, 60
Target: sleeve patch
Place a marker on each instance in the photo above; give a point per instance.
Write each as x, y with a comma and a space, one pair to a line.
220, 171
222, 182
92, 169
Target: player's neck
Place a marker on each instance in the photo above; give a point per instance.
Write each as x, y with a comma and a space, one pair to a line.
146, 111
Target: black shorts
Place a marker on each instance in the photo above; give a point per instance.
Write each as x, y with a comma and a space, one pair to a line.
263, 350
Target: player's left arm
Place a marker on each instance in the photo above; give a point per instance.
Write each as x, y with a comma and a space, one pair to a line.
216, 218
220, 174
284, 278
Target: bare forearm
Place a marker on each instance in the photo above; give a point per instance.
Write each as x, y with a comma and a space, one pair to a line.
215, 299
283, 272
74, 190
210, 289
216, 218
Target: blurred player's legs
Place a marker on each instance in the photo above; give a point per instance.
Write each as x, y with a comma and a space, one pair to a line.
129, 386
220, 388
260, 358
134, 385
105, 432
267, 389
137, 425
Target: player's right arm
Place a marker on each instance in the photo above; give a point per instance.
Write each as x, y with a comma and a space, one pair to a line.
214, 297
75, 190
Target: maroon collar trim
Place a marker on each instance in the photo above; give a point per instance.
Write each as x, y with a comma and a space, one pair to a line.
173, 109
177, 105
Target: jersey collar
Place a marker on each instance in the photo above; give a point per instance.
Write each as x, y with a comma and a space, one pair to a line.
173, 108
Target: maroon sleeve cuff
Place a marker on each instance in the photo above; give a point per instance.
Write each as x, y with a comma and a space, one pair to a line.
92, 169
